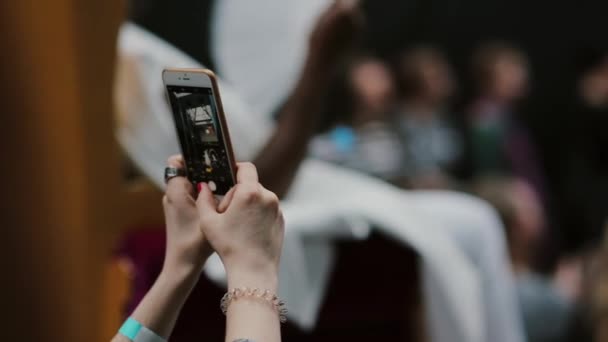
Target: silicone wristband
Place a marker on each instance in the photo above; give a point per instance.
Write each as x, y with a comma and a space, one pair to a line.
130, 328
136, 332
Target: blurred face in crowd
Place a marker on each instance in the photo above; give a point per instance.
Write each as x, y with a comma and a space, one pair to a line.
594, 86
426, 77
372, 85
436, 81
509, 78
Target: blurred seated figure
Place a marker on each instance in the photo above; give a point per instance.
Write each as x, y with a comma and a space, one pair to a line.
500, 143
584, 175
467, 284
546, 308
521, 213
410, 143
432, 145
596, 294
368, 142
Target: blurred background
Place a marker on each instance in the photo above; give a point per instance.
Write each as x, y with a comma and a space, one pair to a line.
506, 100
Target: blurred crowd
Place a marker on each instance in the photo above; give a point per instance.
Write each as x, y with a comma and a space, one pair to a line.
398, 121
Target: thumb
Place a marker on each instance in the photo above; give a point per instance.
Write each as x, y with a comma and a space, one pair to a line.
205, 203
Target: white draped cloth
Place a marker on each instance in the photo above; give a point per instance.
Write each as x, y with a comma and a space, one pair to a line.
467, 285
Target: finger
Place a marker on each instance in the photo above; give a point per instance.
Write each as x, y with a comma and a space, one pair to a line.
205, 203
178, 188
179, 192
225, 203
246, 173
329, 12
176, 161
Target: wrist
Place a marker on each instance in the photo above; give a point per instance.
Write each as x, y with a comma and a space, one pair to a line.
265, 278
185, 265
307, 98
178, 275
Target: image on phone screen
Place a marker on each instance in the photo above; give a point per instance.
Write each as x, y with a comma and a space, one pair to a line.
201, 137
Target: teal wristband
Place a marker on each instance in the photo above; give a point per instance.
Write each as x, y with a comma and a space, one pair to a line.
130, 328
136, 332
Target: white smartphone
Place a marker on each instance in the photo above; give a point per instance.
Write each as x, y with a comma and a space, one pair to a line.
201, 128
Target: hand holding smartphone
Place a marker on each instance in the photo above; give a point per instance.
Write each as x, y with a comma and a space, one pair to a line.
201, 128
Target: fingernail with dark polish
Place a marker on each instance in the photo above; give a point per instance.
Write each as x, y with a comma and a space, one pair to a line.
199, 186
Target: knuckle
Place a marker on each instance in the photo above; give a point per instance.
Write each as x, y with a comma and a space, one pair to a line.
271, 200
166, 201
249, 194
171, 195
252, 196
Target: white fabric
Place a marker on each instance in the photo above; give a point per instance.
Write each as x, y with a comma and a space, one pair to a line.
467, 285
259, 46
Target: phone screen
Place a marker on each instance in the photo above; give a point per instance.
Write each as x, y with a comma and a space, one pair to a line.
201, 137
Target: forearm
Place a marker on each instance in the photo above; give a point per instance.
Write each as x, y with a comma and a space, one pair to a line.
298, 121
159, 309
120, 338
249, 317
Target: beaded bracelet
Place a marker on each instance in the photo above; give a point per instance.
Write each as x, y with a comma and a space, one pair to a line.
266, 295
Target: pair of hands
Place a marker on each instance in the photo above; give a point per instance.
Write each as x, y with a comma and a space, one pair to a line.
245, 228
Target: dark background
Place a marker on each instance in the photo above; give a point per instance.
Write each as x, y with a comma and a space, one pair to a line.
553, 34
